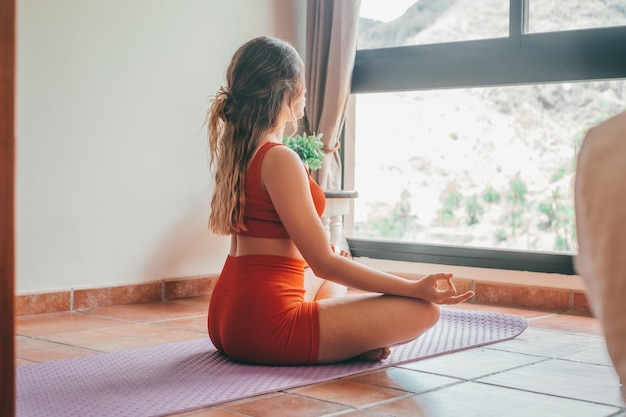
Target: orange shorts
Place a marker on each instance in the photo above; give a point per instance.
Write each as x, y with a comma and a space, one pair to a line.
257, 312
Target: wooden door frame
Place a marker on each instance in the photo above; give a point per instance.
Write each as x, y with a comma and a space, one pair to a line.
7, 198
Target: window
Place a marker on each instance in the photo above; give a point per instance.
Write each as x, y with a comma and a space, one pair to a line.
487, 167
467, 128
409, 22
552, 16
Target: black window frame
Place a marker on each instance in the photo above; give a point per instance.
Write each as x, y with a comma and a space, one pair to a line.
521, 58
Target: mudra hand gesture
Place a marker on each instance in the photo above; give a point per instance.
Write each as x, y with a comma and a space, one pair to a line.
440, 289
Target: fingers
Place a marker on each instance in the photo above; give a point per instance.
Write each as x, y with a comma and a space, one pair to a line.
457, 299
439, 276
451, 284
435, 278
448, 295
340, 252
345, 254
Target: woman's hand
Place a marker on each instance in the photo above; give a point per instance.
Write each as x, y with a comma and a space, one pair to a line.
430, 289
341, 252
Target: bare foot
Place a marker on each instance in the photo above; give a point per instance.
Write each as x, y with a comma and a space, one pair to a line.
375, 355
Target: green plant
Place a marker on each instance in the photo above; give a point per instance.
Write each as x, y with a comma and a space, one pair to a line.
517, 197
561, 219
500, 236
396, 225
560, 243
308, 148
491, 196
393, 227
474, 210
450, 201
517, 194
546, 208
559, 174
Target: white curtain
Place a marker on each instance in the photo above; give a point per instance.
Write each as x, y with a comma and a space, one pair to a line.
330, 50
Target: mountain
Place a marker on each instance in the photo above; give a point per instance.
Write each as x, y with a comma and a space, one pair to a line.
420, 15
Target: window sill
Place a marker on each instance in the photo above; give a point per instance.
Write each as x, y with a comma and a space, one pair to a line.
542, 291
499, 276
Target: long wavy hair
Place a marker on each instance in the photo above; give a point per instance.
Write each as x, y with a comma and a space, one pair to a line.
263, 79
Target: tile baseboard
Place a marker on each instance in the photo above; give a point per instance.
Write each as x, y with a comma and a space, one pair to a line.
82, 299
558, 300
549, 299
40, 303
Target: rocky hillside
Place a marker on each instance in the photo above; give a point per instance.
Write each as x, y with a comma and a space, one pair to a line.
430, 21
490, 167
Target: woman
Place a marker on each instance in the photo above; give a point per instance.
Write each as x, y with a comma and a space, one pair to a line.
265, 309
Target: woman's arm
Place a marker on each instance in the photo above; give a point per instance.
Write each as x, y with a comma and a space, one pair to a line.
287, 183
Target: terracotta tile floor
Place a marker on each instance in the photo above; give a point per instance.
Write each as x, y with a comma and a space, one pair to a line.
557, 367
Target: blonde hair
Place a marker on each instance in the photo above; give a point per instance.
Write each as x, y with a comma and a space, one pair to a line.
263, 75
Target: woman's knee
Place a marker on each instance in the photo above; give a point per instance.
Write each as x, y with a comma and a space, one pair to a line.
428, 314
433, 312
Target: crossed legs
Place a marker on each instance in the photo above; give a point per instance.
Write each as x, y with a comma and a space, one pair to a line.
365, 325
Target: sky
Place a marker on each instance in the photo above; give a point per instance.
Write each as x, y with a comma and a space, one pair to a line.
384, 10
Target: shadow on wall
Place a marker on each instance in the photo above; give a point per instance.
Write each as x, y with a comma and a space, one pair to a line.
290, 23
189, 249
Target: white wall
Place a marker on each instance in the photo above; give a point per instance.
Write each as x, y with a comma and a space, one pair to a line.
113, 185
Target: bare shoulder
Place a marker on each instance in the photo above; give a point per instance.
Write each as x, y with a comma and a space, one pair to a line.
282, 169
282, 160
280, 152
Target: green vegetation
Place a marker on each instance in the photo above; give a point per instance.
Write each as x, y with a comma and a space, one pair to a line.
560, 219
392, 227
474, 210
500, 236
512, 224
491, 196
450, 201
560, 173
517, 198
395, 225
308, 148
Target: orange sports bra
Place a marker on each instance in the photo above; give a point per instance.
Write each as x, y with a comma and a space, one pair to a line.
259, 216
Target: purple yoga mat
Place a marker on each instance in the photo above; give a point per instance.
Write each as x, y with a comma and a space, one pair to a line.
178, 377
